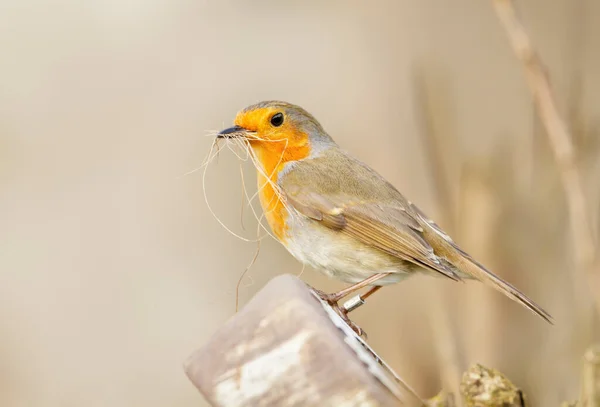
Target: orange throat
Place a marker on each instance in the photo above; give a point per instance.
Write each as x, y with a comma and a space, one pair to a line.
273, 158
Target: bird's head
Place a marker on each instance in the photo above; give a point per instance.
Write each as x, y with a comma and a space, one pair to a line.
278, 130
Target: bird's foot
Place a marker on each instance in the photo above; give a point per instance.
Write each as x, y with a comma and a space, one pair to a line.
357, 329
332, 300
328, 298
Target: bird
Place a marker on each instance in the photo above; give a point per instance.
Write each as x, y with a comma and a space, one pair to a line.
338, 215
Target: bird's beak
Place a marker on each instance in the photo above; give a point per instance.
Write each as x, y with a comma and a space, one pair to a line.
235, 131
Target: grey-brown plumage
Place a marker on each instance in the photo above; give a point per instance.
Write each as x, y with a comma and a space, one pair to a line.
340, 216
356, 202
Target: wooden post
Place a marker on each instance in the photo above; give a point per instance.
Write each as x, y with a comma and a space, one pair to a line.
286, 347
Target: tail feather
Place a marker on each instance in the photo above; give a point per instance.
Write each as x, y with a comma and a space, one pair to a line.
480, 273
445, 248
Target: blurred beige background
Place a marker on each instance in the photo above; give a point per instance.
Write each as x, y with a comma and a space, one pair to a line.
112, 269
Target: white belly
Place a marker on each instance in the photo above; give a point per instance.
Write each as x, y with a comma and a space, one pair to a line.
341, 256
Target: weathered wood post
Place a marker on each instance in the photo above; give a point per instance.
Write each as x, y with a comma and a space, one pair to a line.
286, 347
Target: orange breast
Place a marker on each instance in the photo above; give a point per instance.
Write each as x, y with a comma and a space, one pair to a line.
273, 160
273, 208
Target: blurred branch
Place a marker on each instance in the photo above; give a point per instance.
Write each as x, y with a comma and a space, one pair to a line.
439, 142
560, 141
590, 386
442, 399
479, 208
439, 311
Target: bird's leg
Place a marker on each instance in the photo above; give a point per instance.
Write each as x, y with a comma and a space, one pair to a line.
344, 315
371, 291
335, 297
358, 300
353, 304
332, 299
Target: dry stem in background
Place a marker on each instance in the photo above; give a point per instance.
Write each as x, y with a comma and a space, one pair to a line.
561, 143
439, 310
590, 386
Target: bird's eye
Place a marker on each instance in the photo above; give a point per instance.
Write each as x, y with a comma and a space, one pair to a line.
277, 119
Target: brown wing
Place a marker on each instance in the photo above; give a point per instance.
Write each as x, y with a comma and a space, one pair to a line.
382, 218
387, 227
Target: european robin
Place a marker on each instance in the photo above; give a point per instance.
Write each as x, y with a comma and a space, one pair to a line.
338, 215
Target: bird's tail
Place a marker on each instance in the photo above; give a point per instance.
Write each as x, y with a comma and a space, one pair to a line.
444, 247
477, 271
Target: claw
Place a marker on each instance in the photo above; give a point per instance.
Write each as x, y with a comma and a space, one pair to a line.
332, 300
357, 329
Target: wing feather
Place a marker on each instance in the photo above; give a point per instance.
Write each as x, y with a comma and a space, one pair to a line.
388, 228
